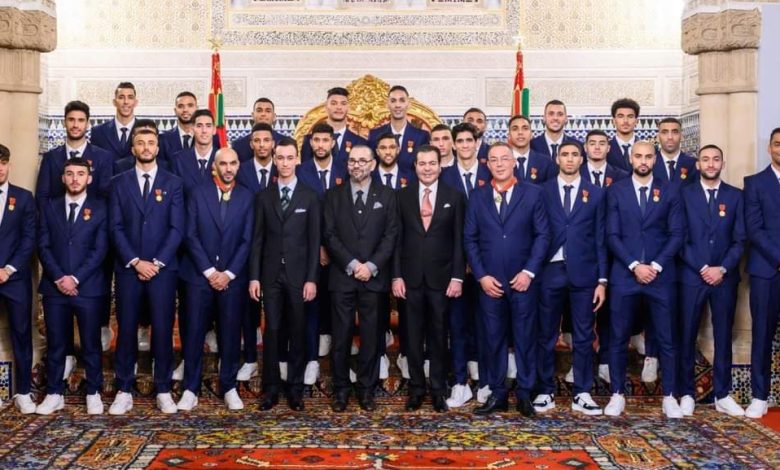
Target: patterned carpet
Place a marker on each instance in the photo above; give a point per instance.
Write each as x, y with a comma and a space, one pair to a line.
211, 437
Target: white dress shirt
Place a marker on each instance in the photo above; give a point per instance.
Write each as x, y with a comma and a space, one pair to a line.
550, 143
80, 150
259, 167
119, 126
79, 200
602, 176
328, 170
666, 161
558, 256
393, 171
473, 178
139, 175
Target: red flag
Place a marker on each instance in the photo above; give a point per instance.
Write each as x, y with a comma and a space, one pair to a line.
217, 100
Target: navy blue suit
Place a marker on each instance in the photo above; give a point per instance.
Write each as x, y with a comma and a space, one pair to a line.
581, 236
684, 171
17, 232
503, 249
308, 174
170, 145
482, 152
715, 238
185, 165
539, 144
452, 178
610, 175
403, 178
762, 221
341, 154
244, 150
50, 184
409, 142
248, 178
106, 137
538, 169
148, 230
655, 236
617, 158
222, 244
77, 250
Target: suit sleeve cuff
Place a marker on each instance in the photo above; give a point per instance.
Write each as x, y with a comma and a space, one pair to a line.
657, 266
530, 274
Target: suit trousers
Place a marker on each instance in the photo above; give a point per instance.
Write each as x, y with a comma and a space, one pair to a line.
764, 310
58, 311
426, 320
466, 332
250, 320
17, 295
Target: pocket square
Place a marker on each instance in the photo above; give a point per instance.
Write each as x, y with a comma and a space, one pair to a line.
447, 205
377, 205
300, 211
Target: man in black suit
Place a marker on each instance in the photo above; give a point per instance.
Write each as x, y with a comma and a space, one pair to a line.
361, 229
428, 269
285, 265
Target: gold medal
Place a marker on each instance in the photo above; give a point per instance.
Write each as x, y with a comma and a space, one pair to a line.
226, 197
158, 198
722, 213
498, 199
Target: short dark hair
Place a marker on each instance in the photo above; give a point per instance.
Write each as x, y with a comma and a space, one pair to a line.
554, 103
77, 161
475, 110
776, 130
385, 136
5, 153
670, 120
572, 143
287, 141
202, 112
441, 127
262, 126
124, 85
465, 127
322, 128
137, 130
625, 103
264, 100
77, 105
711, 146
597, 132
141, 124
186, 93
426, 149
396, 88
518, 116
338, 91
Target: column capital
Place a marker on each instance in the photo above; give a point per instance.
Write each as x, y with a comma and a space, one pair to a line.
22, 27
721, 31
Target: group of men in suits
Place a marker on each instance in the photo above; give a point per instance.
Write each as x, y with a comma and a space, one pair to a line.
617, 234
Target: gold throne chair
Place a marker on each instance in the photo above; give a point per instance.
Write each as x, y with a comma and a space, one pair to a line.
367, 110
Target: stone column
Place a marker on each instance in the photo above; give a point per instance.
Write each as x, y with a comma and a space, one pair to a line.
726, 44
27, 28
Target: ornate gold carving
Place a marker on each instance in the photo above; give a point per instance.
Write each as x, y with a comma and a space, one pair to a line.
723, 31
367, 109
27, 29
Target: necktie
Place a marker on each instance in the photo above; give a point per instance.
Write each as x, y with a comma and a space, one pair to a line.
285, 198
596, 178
223, 204
521, 167
123, 139
72, 213
642, 199
502, 206
567, 199
711, 201
554, 150
147, 186
336, 136
186, 138
626, 152
360, 205
426, 211
670, 164
389, 180
202, 164
263, 179
324, 179
74, 153
397, 138
469, 184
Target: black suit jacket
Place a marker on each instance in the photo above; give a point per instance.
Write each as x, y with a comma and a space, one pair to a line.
434, 257
372, 239
292, 236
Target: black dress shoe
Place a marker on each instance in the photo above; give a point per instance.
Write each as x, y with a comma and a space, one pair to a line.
492, 405
339, 403
367, 403
295, 402
525, 407
414, 402
440, 404
269, 401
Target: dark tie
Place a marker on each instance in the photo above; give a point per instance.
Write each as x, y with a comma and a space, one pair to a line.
123, 139
711, 201
502, 206
596, 178
336, 136
642, 200
360, 205
627, 152
397, 138
670, 164
469, 185
324, 179
223, 205
389, 180
567, 199
147, 186
202, 164
263, 179
285, 198
554, 150
186, 138
74, 153
521, 167
72, 212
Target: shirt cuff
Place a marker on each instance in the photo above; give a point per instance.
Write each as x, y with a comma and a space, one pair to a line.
10, 269
723, 270
351, 267
230, 275
207, 273
657, 266
456, 280
75, 279
603, 281
158, 263
530, 274
132, 261
703, 268
372, 267
633, 265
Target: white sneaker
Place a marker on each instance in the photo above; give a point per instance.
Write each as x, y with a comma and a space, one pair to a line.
566, 338
50, 404
352, 376
650, 370
94, 404
671, 408
324, 346
211, 341
144, 341
473, 368
123, 402
543, 403
459, 395
483, 394
311, 373
70, 364
259, 336
24, 404
106, 336
247, 371
166, 404
583, 403
384, 367
427, 368
638, 343
729, 406
687, 405
403, 365
283, 371
233, 401
757, 409
389, 338
178, 372
604, 373
187, 402
354, 349
616, 405
569, 377
511, 366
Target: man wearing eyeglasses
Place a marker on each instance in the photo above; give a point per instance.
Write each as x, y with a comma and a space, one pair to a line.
361, 227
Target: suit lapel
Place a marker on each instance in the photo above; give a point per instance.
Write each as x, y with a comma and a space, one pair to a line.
651, 202
135, 190
293, 200
577, 203
277, 200
517, 194
212, 202
414, 202
159, 181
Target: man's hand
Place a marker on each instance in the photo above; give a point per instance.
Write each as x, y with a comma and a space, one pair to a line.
362, 273
324, 258
599, 296
399, 288
712, 275
645, 274
67, 285
521, 282
455, 289
309, 291
146, 270
4, 276
254, 290
491, 286
219, 281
